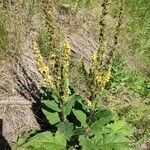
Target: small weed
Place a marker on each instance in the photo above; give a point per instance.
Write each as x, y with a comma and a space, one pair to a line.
119, 76
138, 84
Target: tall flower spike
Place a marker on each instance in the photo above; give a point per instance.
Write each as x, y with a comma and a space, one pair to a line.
108, 64
97, 70
118, 30
42, 67
65, 70
54, 38
102, 35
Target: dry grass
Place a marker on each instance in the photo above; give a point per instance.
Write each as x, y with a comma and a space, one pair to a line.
19, 78
17, 119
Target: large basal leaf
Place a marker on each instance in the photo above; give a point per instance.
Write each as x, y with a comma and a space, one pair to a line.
79, 131
121, 127
25, 137
81, 116
98, 139
66, 129
86, 143
114, 142
44, 141
70, 103
51, 104
97, 126
60, 139
102, 113
52, 117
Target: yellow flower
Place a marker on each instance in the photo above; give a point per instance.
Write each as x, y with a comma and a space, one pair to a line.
105, 78
94, 56
89, 103
67, 46
47, 79
44, 69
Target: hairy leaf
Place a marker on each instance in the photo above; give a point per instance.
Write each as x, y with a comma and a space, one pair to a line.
66, 129
44, 141
121, 127
102, 113
60, 139
97, 126
51, 104
52, 117
86, 143
70, 103
81, 116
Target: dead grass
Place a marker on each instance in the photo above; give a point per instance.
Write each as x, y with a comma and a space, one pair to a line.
16, 120
19, 78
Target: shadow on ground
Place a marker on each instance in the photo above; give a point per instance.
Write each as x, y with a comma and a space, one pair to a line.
30, 91
3, 142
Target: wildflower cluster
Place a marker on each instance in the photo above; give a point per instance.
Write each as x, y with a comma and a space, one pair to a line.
106, 68
100, 71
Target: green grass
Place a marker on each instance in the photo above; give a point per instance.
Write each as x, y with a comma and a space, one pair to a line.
138, 32
4, 42
44, 43
131, 92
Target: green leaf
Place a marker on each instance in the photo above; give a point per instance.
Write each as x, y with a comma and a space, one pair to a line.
81, 116
86, 143
51, 117
98, 139
113, 141
79, 131
102, 113
25, 137
66, 129
43, 141
60, 139
70, 103
51, 104
55, 98
97, 126
121, 127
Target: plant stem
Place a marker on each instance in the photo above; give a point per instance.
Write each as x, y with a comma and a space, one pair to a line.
63, 116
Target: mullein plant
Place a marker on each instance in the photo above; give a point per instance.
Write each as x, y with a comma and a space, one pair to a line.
100, 70
117, 34
60, 56
56, 75
65, 70
99, 73
76, 122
